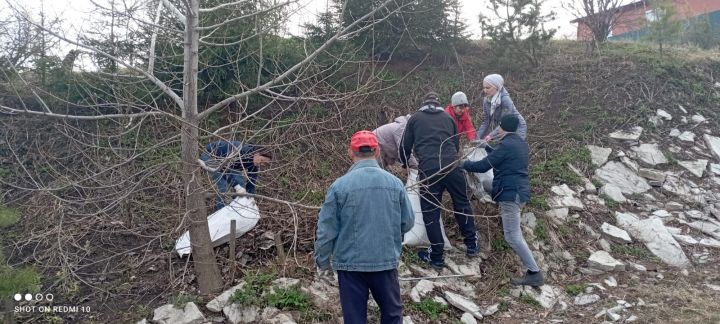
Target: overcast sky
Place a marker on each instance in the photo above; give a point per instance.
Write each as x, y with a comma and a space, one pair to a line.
75, 13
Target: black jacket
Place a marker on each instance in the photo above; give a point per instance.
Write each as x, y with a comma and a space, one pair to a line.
432, 134
509, 161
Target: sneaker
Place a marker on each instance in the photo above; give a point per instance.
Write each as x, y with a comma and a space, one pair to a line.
529, 279
472, 250
425, 256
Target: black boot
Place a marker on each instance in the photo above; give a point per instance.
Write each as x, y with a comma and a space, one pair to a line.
534, 279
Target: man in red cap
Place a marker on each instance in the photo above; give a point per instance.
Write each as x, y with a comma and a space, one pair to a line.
359, 233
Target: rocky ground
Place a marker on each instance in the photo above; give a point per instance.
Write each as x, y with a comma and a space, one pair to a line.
649, 219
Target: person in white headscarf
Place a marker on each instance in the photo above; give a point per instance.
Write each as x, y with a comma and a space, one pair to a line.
496, 105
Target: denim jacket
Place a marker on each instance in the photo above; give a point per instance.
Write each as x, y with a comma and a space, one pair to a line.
362, 221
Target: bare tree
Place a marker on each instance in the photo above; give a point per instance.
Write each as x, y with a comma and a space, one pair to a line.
157, 89
599, 16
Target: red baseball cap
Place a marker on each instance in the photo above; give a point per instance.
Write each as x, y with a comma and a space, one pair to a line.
363, 138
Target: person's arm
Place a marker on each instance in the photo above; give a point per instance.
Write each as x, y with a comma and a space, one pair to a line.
522, 127
485, 120
468, 126
407, 142
328, 226
493, 159
408, 216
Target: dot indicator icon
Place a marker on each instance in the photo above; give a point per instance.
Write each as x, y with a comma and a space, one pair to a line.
28, 297
18, 297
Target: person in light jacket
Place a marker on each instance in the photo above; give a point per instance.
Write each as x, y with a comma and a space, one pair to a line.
389, 137
496, 105
359, 234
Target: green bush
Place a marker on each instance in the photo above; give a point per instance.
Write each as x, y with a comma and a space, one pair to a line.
430, 308
12, 281
289, 299
8, 216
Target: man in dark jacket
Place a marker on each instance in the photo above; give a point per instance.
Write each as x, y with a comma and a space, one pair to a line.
245, 160
511, 189
432, 135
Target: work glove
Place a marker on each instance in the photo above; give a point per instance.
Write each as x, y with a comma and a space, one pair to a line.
240, 189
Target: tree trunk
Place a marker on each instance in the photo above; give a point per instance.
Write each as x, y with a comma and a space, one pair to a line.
204, 263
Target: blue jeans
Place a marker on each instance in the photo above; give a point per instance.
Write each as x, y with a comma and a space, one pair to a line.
225, 181
510, 213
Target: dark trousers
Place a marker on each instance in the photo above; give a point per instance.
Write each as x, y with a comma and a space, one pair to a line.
431, 191
384, 287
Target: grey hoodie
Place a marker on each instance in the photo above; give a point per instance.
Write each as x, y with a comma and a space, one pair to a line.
389, 137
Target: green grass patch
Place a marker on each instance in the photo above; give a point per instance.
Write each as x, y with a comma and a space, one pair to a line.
504, 306
410, 256
530, 301
575, 289
8, 216
252, 292
13, 281
499, 244
290, 298
609, 202
546, 174
541, 230
183, 298
430, 308
539, 202
629, 250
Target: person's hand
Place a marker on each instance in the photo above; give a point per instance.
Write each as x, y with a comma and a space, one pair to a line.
487, 139
240, 189
325, 274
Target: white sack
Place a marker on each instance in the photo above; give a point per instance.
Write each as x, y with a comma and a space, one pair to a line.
479, 183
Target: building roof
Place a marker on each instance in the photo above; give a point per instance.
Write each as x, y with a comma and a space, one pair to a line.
623, 8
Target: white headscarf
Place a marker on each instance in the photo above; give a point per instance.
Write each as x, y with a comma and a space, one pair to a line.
495, 80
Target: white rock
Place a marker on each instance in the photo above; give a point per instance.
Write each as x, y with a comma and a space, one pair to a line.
529, 220
708, 242
715, 168
713, 287
571, 202
664, 114
683, 120
422, 288
713, 144
630, 135
616, 233
655, 120
547, 297
407, 320
650, 154
677, 186
599, 155
440, 300
613, 192
168, 314
562, 190
696, 214
674, 206
604, 261
687, 239
468, 318
697, 118
605, 245
631, 319
217, 304
656, 237
652, 174
674, 132
491, 310
463, 304
586, 299
619, 175
143, 321
708, 228
697, 168
613, 317
662, 213
559, 215
286, 282
630, 164
638, 267
687, 136
611, 282
236, 313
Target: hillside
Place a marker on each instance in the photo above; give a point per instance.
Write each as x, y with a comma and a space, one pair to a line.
116, 255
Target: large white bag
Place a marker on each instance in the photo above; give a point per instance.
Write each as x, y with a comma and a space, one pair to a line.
480, 183
417, 235
243, 210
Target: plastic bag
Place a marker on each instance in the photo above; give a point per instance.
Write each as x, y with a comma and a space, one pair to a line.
243, 210
480, 184
417, 236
